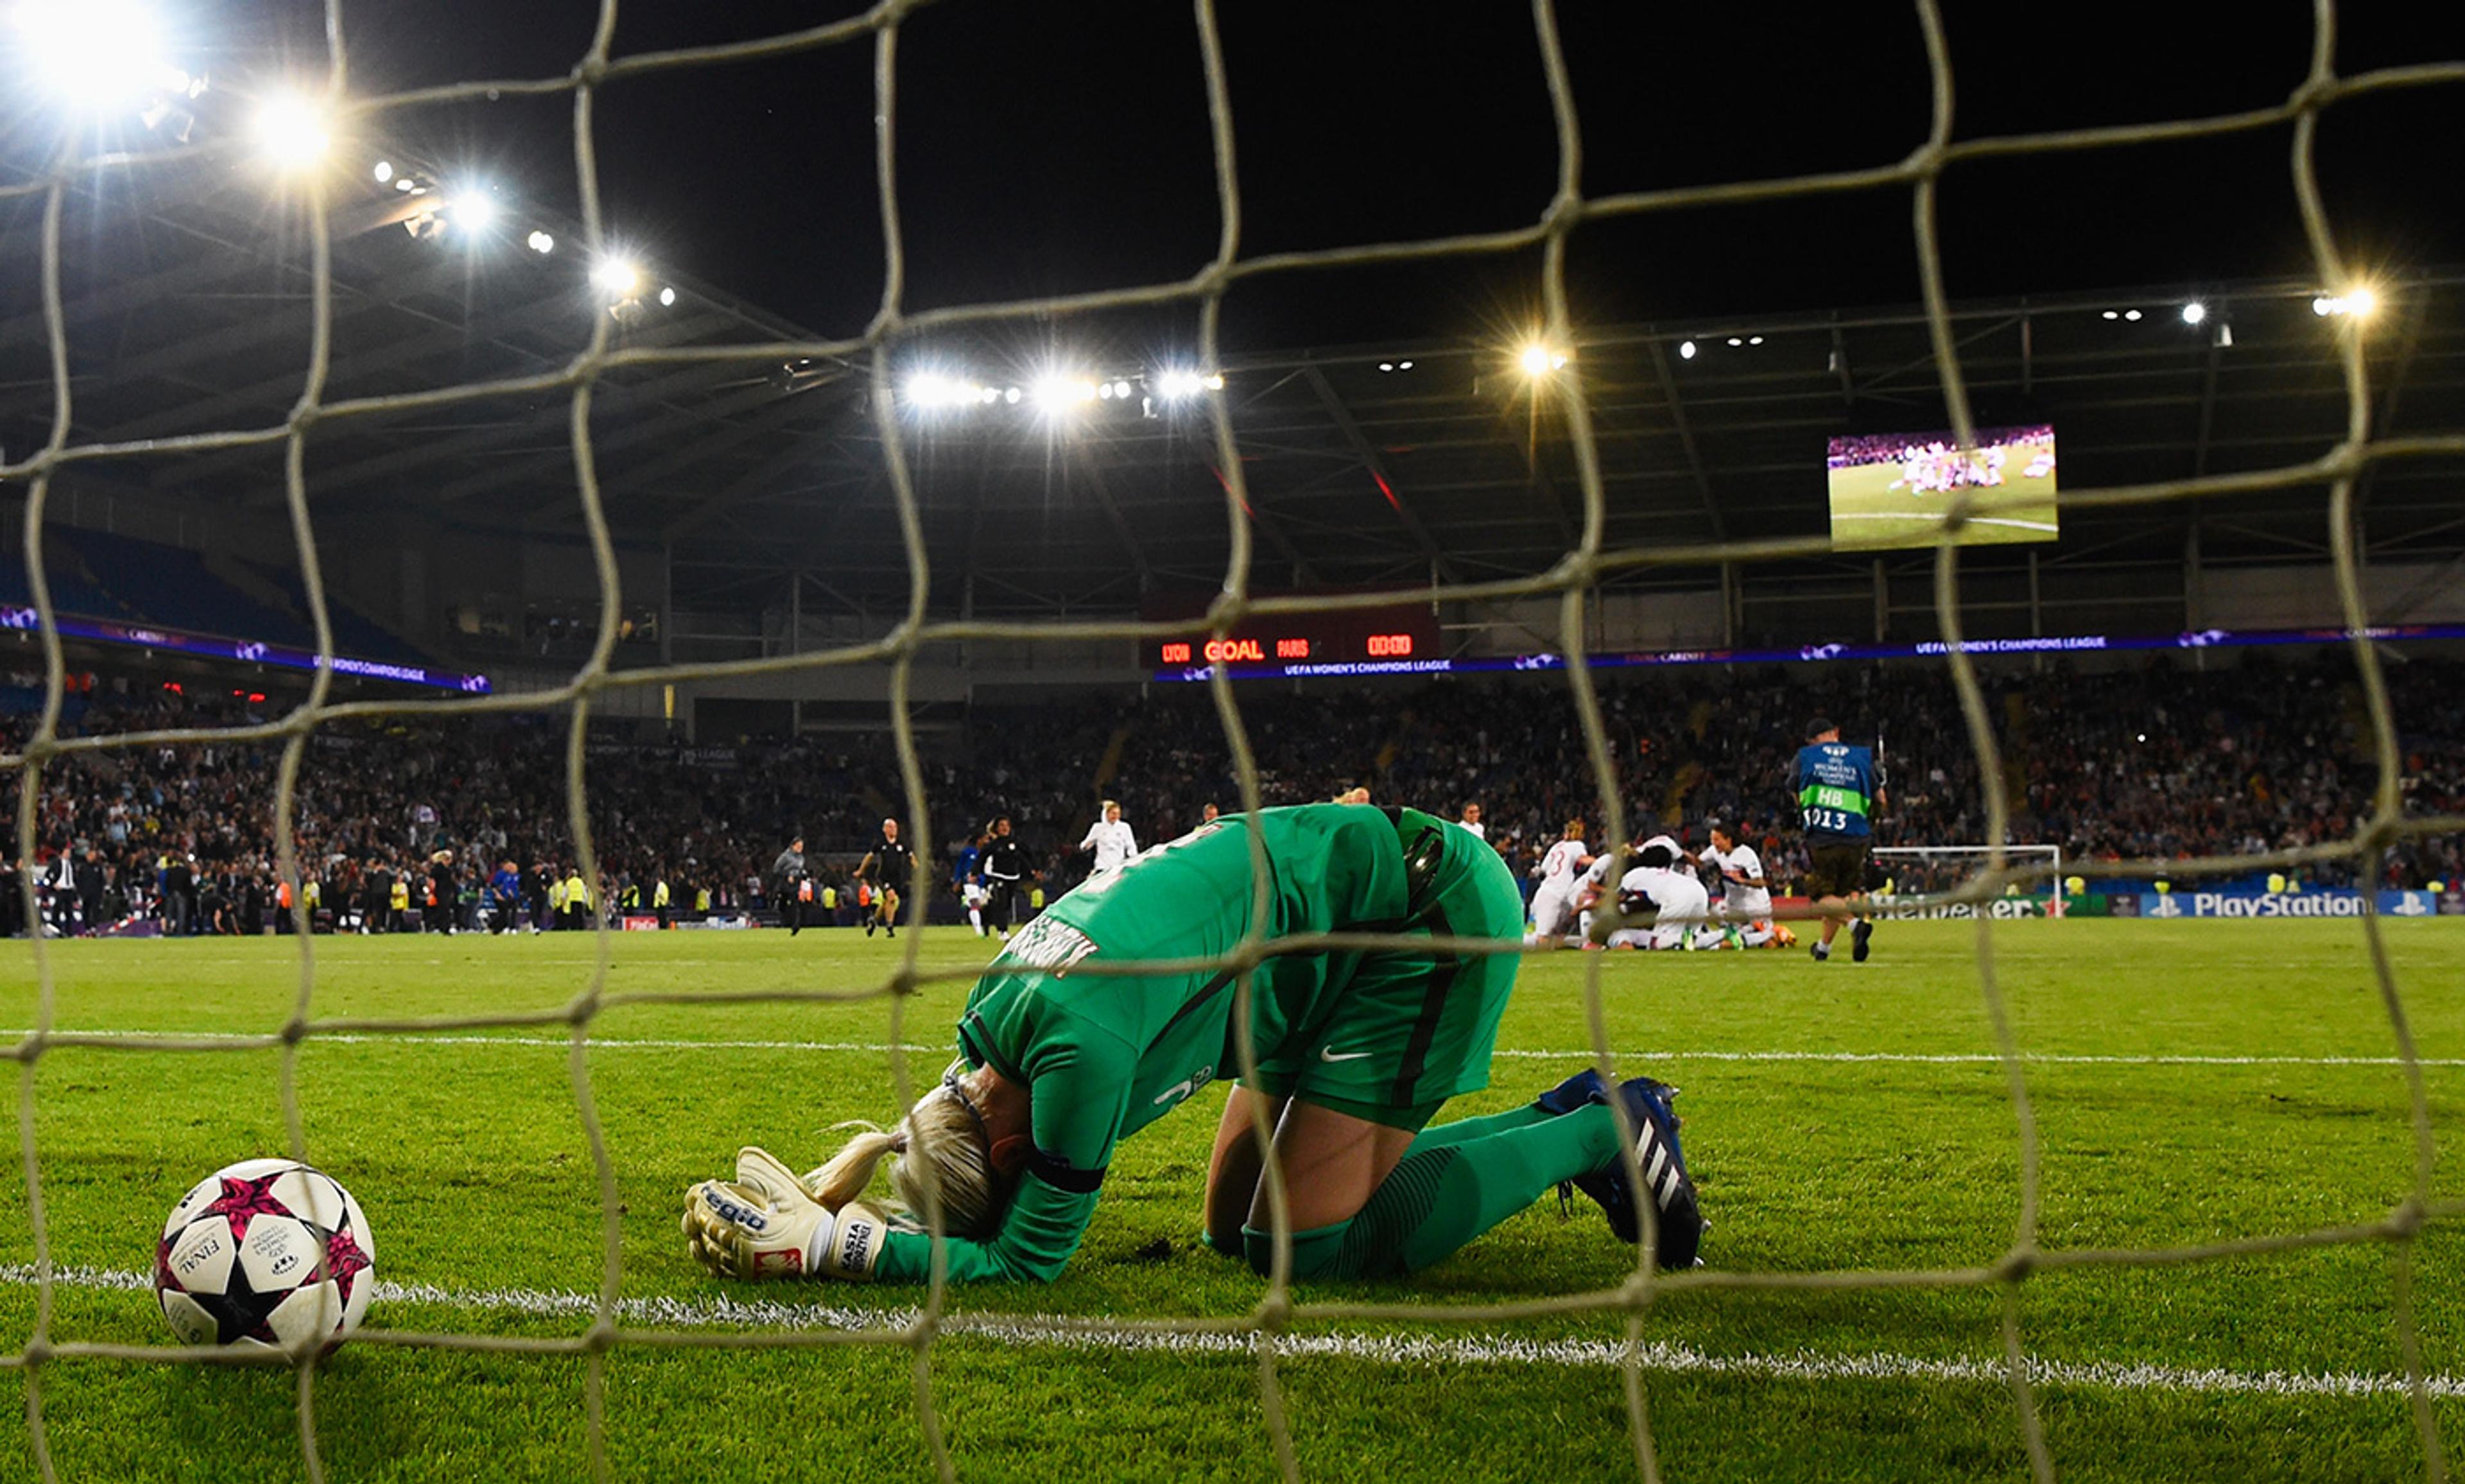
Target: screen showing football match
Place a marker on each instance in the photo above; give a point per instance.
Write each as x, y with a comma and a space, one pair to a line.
1892, 489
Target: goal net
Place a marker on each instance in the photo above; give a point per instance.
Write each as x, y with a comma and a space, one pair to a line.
913, 1339
1928, 872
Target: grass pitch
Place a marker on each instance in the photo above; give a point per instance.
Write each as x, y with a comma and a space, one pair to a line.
2192, 1082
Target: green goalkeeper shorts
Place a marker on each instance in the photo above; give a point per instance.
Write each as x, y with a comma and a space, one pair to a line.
1411, 1029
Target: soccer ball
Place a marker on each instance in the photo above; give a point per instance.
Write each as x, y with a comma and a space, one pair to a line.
265, 1255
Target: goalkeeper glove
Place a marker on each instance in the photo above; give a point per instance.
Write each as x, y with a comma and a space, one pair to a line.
766, 1223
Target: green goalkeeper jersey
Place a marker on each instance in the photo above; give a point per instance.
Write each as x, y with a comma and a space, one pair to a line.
1106, 1055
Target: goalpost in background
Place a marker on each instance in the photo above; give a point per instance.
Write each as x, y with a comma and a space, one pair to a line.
1934, 871
1918, 175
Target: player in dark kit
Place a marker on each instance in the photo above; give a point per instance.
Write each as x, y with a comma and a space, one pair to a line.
1004, 866
886, 868
1355, 1052
1837, 800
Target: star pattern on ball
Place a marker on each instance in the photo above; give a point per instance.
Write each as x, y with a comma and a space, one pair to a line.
345, 1259
241, 1312
244, 1198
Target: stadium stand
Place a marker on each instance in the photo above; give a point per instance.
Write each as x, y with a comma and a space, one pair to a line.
2143, 763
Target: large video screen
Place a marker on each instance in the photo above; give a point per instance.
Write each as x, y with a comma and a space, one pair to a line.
1892, 489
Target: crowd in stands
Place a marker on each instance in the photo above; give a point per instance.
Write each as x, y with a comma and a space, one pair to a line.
461, 823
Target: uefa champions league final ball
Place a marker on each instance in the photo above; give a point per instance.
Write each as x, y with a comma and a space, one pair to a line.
269, 1254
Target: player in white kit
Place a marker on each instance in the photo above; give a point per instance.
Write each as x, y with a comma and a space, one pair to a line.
1655, 884
1110, 838
1553, 902
1745, 899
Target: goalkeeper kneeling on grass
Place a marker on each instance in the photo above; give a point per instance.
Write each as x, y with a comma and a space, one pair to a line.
1355, 1051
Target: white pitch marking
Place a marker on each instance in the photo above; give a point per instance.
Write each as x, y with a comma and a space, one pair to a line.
1479, 1349
1579, 1055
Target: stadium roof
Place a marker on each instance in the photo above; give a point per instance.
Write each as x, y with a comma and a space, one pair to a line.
187, 311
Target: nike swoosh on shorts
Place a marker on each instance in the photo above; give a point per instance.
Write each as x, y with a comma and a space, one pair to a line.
1328, 1053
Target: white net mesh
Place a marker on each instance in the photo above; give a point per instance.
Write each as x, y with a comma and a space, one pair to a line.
1584, 567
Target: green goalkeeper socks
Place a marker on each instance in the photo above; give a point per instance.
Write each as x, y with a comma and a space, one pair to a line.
1466, 1130
1444, 1194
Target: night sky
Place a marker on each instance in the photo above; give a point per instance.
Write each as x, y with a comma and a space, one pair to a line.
1049, 147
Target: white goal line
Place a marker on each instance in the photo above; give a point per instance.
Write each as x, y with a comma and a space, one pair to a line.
1479, 1349
1575, 1054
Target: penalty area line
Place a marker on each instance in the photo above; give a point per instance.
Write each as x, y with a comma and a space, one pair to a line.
1576, 1055
1478, 1348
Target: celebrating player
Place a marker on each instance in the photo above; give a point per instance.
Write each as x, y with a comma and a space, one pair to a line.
1355, 1052
1112, 841
1745, 894
1680, 908
884, 866
1553, 902
1836, 799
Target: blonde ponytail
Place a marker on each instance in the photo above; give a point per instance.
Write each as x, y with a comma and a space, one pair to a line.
851, 1169
940, 1153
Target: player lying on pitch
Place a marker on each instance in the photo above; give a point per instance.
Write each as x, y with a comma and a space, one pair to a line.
1355, 1052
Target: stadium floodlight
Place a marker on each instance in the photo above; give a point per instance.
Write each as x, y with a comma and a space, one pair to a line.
667, 296
1121, 389
1401, 365
1754, 340
2194, 312
1685, 350
1539, 360
1176, 384
99, 54
475, 212
935, 390
2132, 315
1010, 395
384, 171
541, 243
2111, 313
619, 277
1385, 366
291, 131
1215, 383
2359, 303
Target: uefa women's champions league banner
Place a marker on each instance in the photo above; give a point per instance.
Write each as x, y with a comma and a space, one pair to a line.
2324, 903
251, 650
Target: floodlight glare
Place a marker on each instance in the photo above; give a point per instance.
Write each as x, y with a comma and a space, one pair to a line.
1215, 383
2111, 313
541, 243
1385, 366
475, 212
1174, 385
2358, 302
1685, 350
1536, 359
1009, 394
291, 131
384, 171
97, 53
1754, 340
2194, 312
620, 277
1401, 365
2132, 315
1121, 389
667, 296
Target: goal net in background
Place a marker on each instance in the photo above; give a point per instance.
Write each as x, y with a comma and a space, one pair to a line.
1983, 878
1932, 870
